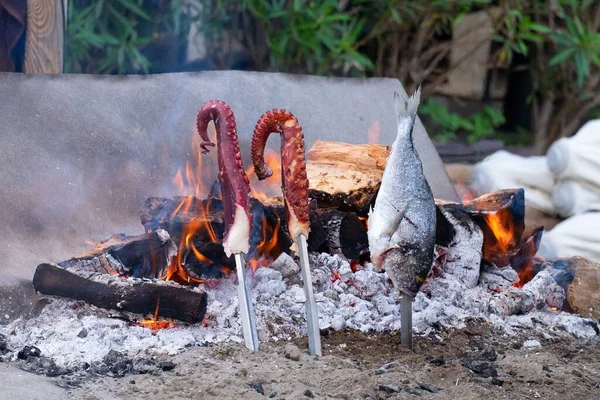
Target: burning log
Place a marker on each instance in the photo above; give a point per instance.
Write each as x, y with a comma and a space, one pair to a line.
144, 256
501, 217
111, 292
332, 231
345, 176
345, 234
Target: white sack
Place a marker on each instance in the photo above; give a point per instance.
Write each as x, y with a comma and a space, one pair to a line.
504, 170
576, 236
578, 157
574, 198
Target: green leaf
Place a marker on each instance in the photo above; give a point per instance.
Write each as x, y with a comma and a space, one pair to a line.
395, 15
561, 56
131, 6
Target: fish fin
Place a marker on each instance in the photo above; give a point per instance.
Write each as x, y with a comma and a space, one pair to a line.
407, 108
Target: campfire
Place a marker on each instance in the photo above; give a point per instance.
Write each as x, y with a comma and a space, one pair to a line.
177, 278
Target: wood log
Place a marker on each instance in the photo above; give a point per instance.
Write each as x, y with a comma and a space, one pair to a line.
144, 256
501, 217
345, 234
580, 278
132, 295
44, 43
345, 176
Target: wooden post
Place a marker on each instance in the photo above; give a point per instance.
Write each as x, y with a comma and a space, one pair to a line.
44, 42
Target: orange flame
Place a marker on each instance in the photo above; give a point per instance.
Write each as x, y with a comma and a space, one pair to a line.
264, 189
502, 227
154, 324
374, 132
365, 221
267, 246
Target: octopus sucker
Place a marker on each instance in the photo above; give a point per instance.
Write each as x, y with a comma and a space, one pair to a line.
293, 165
235, 185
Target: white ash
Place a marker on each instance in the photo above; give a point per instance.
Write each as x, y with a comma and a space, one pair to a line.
498, 279
463, 255
363, 300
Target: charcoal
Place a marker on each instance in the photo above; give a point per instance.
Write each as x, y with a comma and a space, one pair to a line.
167, 365
389, 388
113, 357
258, 387
3, 343
485, 370
385, 367
427, 387
82, 333
29, 351
309, 393
144, 366
122, 368
497, 382
414, 391
438, 361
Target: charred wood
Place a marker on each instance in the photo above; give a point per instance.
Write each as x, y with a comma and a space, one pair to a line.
144, 256
345, 234
132, 295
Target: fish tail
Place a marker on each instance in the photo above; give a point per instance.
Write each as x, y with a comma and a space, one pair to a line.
407, 108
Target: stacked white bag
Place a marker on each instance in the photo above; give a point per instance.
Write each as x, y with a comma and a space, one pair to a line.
504, 170
575, 164
565, 182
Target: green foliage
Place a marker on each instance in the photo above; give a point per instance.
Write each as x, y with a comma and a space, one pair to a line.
445, 125
109, 36
302, 36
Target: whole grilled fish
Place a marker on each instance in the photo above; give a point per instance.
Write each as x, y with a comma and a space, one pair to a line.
402, 224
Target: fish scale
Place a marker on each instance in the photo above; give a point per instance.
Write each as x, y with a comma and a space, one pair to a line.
402, 223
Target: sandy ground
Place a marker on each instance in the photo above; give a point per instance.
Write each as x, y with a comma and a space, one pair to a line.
559, 369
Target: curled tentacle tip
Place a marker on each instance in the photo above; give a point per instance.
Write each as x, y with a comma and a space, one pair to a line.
265, 173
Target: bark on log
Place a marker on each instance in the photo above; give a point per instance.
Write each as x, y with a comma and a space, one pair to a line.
132, 294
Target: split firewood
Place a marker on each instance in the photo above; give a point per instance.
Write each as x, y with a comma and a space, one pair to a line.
144, 256
501, 217
345, 176
134, 295
345, 233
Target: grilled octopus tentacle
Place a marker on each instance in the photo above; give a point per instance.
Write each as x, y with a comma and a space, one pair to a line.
235, 186
293, 166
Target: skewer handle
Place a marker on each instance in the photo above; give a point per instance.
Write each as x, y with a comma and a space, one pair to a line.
406, 334
246, 307
312, 315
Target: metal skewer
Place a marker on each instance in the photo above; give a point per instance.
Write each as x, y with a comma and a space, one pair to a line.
406, 334
312, 315
246, 307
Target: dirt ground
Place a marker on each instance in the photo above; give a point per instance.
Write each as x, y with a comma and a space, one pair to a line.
473, 363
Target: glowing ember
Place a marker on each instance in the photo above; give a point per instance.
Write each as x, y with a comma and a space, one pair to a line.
365, 221
155, 324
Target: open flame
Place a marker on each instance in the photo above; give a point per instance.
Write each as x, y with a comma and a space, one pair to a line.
502, 227
374, 132
265, 189
154, 323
